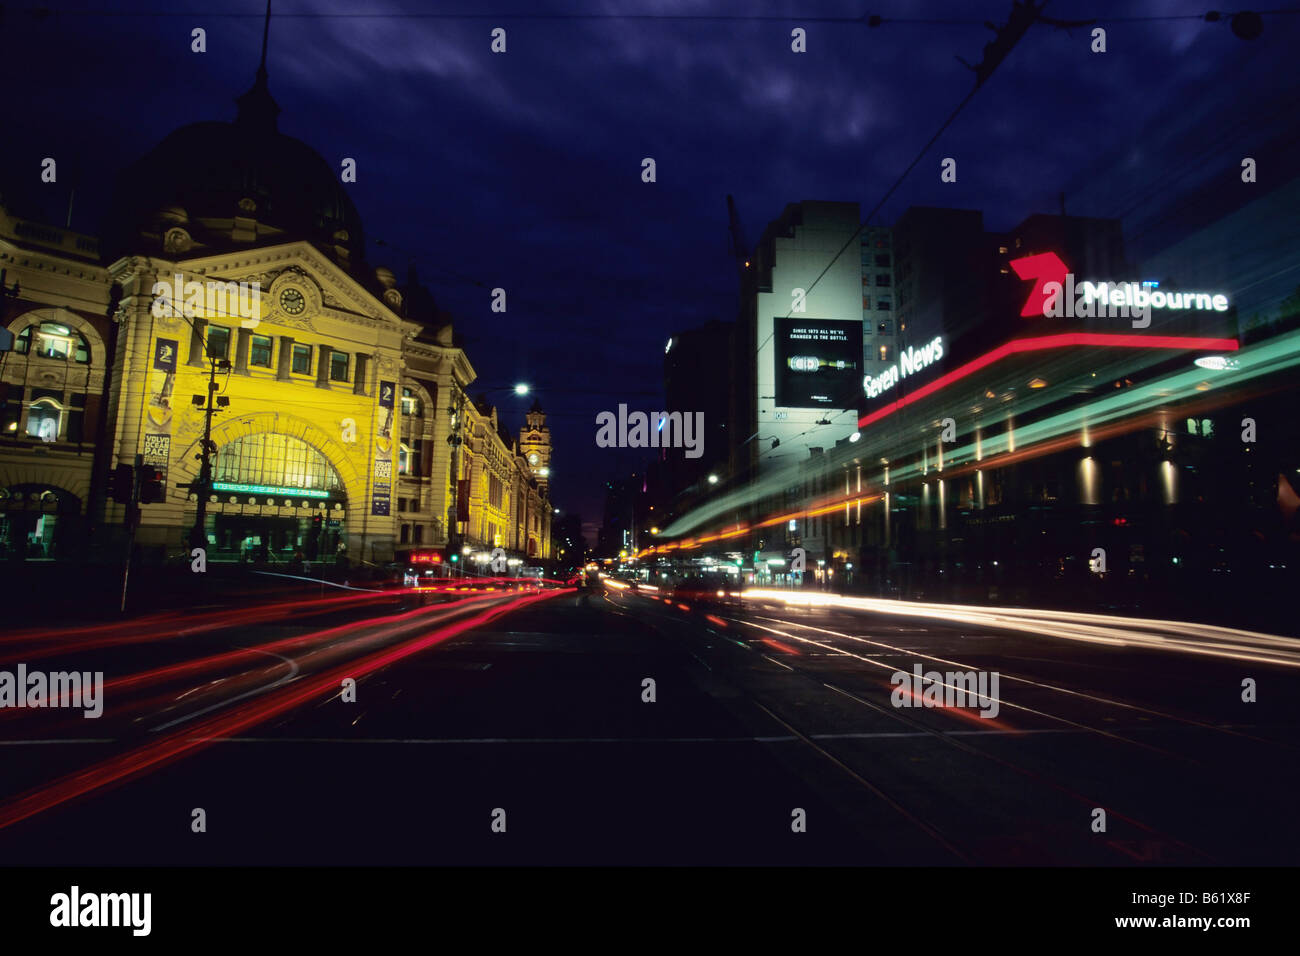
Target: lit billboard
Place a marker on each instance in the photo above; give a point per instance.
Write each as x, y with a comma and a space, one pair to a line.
818, 363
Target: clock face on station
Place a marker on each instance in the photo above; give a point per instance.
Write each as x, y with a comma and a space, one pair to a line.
533, 458
292, 301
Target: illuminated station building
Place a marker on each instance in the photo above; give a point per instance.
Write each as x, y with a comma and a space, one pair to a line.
995, 452
335, 392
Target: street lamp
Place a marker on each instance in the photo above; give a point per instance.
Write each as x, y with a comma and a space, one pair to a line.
713, 479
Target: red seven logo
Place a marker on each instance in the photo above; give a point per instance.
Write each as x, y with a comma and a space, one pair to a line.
1045, 267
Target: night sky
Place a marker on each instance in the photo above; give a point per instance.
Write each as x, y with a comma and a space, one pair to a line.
523, 170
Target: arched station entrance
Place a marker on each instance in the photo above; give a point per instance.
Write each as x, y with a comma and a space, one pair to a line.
274, 498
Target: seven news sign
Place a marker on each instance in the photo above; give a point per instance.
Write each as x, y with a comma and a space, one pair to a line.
910, 361
1056, 295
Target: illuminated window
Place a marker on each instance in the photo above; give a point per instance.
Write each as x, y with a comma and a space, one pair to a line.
886, 327
268, 458
403, 460
302, 359
53, 340
259, 351
411, 404
11, 409
1002, 250
884, 353
218, 342
44, 418
338, 366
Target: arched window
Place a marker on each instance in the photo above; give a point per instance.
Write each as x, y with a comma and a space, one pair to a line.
403, 460
53, 340
276, 460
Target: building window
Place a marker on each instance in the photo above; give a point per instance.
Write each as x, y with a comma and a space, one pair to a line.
415, 502
75, 431
883, 305
259, 351
886, 327
419, 534
53, 341
411, 404
882, 259
1002, 250
301, 359
11, 408
218, 342
882, 279
338, 366
884, 353
401, 504
403, 460
866, 303
269, 458
44, 418
406, 534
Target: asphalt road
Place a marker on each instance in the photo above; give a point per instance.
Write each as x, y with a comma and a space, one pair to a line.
514, 728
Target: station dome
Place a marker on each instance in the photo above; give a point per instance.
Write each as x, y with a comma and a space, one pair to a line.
211, 186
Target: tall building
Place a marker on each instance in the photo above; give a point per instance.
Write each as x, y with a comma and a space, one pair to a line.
880, 301
697, 378
800, 338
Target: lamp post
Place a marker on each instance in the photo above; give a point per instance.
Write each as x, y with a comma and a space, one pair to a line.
203, 485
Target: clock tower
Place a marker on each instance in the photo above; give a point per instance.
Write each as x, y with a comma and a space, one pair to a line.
535, 445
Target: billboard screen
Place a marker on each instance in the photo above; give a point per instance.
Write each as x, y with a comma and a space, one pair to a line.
818, 363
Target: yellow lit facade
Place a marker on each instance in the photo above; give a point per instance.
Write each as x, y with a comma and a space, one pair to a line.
335, 411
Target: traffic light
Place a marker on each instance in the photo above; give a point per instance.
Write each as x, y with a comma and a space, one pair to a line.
316, 522
151, 485
123, 484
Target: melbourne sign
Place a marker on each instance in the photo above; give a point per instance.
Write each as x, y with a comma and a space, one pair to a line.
1057, 294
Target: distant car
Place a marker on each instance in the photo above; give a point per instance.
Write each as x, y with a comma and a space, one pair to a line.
707, 588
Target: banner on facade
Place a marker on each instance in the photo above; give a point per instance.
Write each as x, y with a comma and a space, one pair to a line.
164, 355
381, 492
